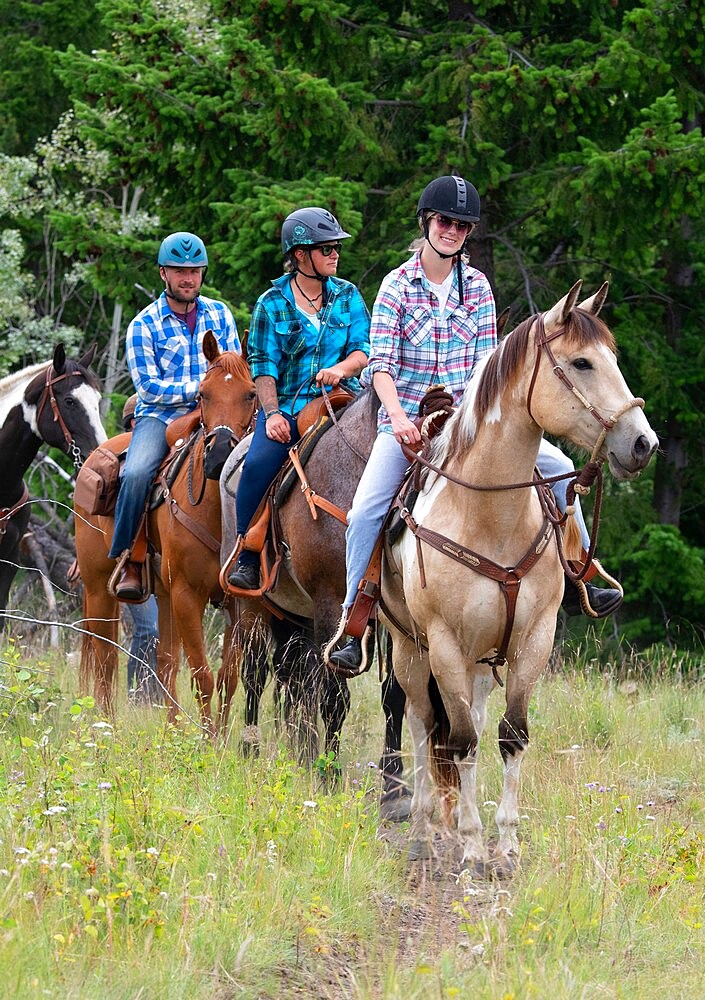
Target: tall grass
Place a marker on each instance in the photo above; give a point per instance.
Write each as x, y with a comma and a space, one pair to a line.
138, 860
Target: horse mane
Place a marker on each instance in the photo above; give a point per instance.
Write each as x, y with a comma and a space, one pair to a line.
10, 382
498, 371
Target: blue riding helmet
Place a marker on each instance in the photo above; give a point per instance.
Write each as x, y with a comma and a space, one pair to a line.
309, 226
182, 250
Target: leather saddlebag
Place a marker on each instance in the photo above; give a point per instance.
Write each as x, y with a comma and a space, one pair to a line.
98, 482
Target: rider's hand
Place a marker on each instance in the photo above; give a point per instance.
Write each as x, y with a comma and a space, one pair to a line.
278, 428
404, 431
329, 376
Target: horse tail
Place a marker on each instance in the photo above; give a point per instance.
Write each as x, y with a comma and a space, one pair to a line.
443, 768
572, 542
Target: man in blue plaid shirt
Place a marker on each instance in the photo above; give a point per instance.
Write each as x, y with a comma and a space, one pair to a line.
166, 361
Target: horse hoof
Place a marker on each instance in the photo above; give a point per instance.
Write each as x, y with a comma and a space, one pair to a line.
395, 804
250, 741
420, 850
502, 867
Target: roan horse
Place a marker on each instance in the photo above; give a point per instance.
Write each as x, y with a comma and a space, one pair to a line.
311, 584
55, 402
184, 532
443, 635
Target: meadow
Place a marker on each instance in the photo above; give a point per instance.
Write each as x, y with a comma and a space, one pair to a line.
138, 860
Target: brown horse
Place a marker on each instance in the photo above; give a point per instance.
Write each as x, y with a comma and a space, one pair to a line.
447, 638
184, 533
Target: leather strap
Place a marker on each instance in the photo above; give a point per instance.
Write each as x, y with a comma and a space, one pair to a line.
312, 498
7, 513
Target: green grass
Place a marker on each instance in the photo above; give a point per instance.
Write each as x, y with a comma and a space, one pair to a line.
141, 861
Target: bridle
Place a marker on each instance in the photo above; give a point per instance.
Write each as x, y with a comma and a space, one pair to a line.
48, 394
543, 346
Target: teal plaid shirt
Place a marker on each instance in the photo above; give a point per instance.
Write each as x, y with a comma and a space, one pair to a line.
285, 345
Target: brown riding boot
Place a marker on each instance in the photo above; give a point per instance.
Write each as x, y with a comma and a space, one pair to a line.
129, 586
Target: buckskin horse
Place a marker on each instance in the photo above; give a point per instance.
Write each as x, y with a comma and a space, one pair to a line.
556, 372
56, 403
184, 535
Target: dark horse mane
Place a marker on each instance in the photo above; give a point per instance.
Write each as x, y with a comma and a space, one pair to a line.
500, 370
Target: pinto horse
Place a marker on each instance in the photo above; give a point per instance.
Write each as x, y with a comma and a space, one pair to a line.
477, 508
184, 535
55, 403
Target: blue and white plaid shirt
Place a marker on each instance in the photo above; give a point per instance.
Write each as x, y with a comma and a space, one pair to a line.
417, 345
284, 344
166, 361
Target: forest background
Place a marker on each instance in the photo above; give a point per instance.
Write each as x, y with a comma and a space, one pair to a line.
579, 123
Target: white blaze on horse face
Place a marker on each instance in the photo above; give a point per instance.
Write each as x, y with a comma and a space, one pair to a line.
89, 398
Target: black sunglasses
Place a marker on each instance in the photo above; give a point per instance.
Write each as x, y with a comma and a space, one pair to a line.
328, 248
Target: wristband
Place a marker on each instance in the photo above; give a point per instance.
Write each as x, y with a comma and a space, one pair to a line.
271, 414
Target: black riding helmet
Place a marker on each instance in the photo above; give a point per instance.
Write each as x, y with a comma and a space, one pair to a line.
454, 197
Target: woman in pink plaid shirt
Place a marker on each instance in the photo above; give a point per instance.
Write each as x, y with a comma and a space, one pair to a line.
432, 321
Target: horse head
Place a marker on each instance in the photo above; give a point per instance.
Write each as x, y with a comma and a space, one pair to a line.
61, 405
577, 390
227, 398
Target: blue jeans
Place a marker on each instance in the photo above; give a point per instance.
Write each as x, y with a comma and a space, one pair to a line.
552, 462
264, 460
142, 661
144, 455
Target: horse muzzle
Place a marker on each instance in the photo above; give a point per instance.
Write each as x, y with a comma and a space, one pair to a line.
218, 444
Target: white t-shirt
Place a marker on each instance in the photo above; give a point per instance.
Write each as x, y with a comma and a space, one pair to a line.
442, 291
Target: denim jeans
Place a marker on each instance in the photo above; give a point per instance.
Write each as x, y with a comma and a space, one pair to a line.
146, 450
264, 460
142, 661
381, 479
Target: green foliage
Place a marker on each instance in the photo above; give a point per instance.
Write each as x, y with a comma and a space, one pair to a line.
580, 124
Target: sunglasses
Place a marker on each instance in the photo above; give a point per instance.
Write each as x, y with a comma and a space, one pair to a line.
445, 223
328, 248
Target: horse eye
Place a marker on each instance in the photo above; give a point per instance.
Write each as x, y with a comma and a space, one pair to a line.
250, 396
582, 364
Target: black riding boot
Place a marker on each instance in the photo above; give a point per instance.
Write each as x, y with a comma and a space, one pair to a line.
603, 600
350, 656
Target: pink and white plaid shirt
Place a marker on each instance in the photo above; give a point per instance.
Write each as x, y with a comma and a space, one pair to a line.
417, 346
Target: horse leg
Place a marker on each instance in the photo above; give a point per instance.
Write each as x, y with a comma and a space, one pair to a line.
514, 741
395, 801
187, 609
299, 675
413, 672
252, 638
99, 652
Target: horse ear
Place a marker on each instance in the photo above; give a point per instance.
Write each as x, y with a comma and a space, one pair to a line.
59, 361
502, 322
211, 348
556, 317
596, 301
87, 360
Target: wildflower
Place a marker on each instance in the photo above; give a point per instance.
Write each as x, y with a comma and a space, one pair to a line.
651, 819
272, 853
310, 804
65, 865
104, 786
371, 763
212, 876
618, 809
152, 850
601, 825
101, 725
29, 895
22, 850
4, 871
53, 810
640, 806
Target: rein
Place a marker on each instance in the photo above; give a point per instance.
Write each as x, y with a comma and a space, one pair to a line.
48, 394
7, 513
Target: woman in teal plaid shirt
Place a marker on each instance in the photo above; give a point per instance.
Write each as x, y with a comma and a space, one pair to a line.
309, 331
